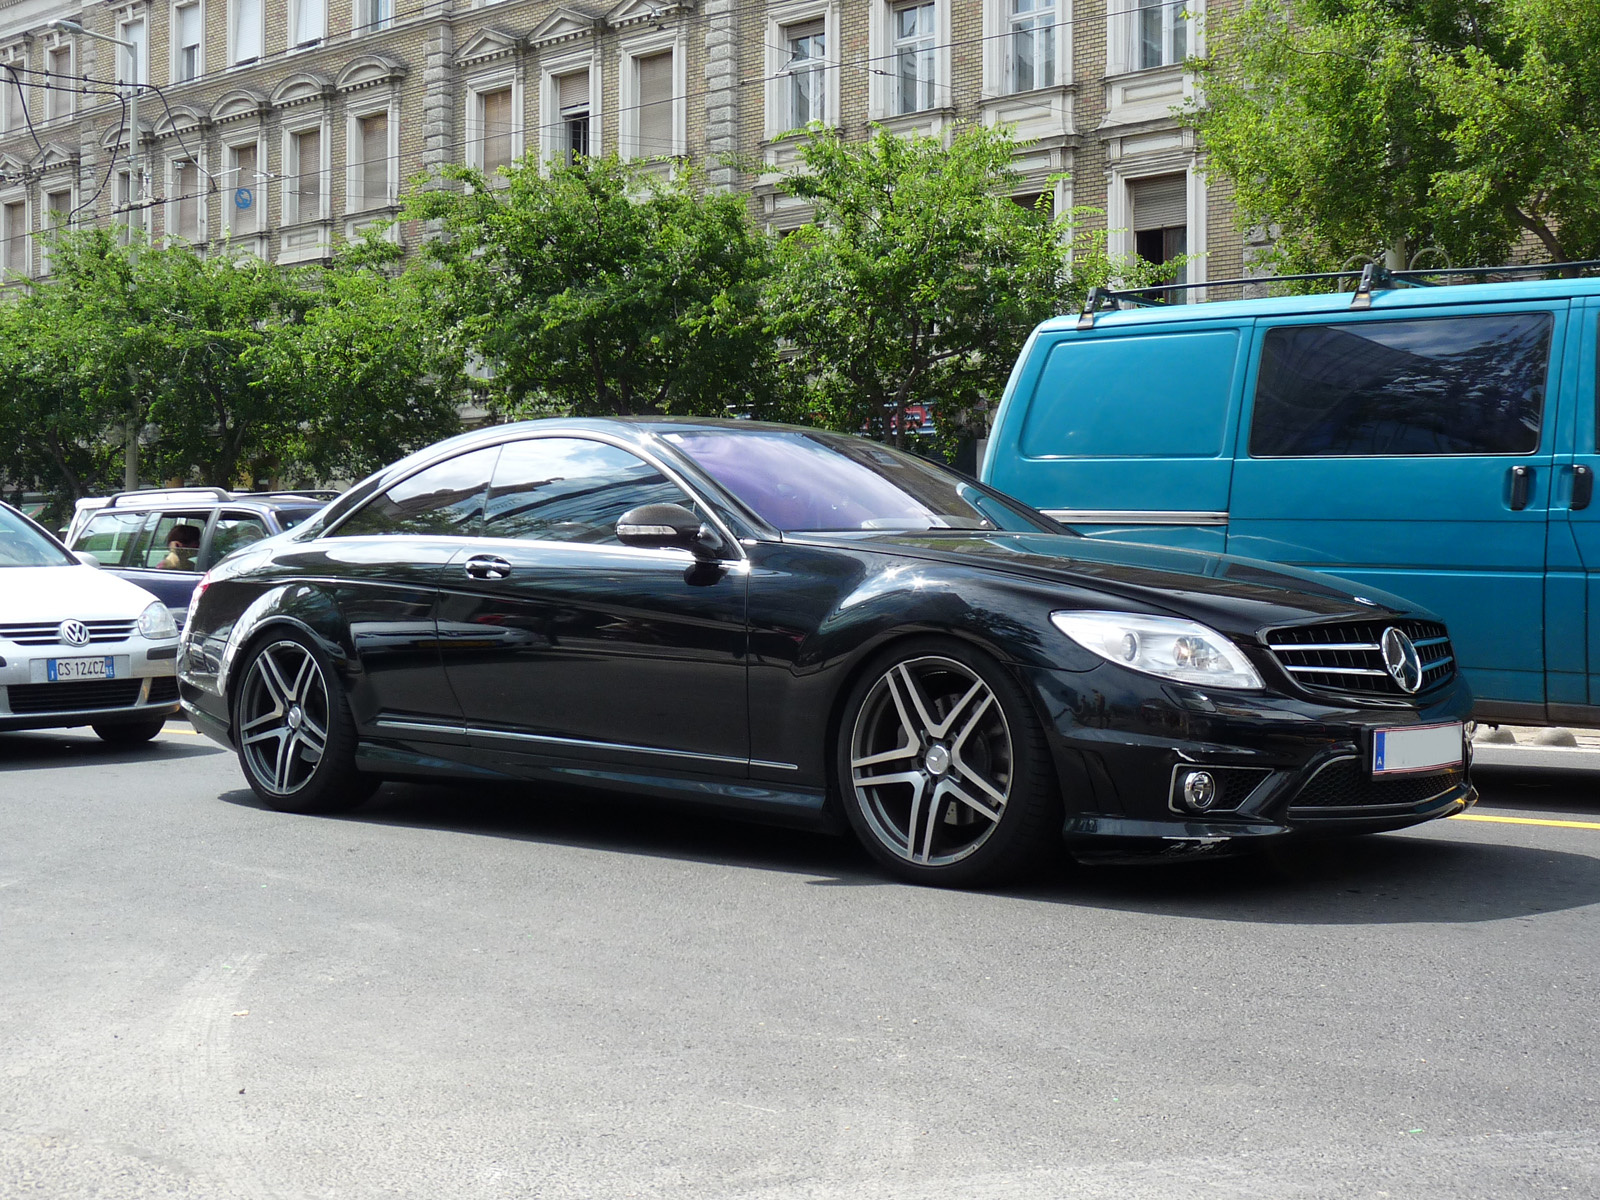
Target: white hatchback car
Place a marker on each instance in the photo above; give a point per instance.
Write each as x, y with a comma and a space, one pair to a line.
79, 646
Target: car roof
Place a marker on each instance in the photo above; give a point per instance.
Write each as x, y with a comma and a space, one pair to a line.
1386, 299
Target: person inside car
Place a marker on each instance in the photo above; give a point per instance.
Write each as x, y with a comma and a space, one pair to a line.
183, 545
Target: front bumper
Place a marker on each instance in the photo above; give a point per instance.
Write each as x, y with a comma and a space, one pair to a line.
1284, 765
144, 688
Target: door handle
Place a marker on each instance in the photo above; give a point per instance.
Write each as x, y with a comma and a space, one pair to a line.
487, 566
1521, 478
1582, 487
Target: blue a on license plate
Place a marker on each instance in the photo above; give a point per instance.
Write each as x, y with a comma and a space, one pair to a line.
65, 670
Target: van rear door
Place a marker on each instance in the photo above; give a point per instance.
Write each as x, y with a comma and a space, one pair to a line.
1126, 432
1577, 515
1413, 449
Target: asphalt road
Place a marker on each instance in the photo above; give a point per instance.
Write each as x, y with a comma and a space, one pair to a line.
465, 993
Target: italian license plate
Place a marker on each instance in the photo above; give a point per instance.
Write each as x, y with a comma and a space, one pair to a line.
1416, 748
65, 670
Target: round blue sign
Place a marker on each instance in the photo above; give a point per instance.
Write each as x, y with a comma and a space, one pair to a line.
242, 198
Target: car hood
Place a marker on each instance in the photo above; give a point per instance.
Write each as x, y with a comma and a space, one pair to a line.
38, 594
1239, 595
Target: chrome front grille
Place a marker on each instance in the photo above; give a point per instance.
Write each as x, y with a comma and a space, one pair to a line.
1348, 657
48, 633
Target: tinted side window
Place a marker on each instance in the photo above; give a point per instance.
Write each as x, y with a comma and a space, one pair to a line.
444, 500
235, 529
571, 490
109, 535
1451, 385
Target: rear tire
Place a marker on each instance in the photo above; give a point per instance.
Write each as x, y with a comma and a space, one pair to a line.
295, 734
129, 733
943, 769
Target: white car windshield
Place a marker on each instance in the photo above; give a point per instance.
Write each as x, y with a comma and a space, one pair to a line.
22, 545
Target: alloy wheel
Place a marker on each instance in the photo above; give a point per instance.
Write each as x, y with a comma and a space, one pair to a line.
931, 760
283, 717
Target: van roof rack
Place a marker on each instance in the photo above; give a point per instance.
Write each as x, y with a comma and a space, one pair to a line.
1373, 276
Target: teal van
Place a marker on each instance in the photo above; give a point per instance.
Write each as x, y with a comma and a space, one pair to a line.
1435, 442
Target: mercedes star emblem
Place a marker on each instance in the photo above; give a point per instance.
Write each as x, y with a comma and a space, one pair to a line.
1400, 659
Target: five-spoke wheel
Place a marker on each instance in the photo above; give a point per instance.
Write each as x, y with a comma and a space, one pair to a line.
294, 731
941, 768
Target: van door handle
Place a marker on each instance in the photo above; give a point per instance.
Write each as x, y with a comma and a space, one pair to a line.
1521, 477
487, 566
1582, 487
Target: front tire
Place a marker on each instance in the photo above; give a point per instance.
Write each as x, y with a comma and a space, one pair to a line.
295, 735
129, 733
943, 769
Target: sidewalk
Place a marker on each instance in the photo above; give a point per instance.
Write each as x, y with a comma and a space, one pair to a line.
1526, 746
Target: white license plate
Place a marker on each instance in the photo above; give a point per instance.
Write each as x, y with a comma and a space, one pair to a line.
1416, 748
64, 670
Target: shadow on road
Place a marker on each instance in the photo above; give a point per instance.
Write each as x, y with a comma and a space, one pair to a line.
34, 750
1421, 876
1547, 789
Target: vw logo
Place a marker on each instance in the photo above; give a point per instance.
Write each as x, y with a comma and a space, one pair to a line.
74, 633
1400, 659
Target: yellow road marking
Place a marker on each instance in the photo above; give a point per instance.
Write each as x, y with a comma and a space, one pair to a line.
1526, 821
185, 732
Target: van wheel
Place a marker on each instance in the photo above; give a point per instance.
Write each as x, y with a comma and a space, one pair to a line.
943, 769
295, 735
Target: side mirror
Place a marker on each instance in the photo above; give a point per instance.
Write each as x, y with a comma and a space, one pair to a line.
668, 526
86, 558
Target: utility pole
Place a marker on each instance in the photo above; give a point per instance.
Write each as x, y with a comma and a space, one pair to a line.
130, 457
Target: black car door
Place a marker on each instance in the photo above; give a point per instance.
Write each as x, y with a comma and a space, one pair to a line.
560, 642
381, 567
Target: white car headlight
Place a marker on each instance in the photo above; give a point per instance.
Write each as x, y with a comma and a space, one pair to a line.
155, 622
1165, 646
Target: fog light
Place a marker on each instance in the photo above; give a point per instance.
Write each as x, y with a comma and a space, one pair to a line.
1199, 790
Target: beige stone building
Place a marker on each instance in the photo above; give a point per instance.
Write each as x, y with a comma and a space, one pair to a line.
287, 126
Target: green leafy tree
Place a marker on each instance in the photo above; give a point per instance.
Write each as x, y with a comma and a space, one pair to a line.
1352, 128
603, 287
917, 280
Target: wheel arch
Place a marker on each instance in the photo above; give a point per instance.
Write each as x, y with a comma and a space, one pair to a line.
301, 608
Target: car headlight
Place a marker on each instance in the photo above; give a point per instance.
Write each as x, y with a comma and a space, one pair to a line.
1165, 646
155, 622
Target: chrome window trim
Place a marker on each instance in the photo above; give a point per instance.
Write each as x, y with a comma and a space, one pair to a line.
1113, 516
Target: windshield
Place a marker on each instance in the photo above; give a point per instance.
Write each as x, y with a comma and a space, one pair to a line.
22, 545
812, 482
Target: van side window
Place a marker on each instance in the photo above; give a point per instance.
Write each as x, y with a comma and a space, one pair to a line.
1134, 396
1448, 385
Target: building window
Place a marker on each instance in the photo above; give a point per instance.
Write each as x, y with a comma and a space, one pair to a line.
14, 232
244, 31
186, 42
310, 23
58, 214
1031, 45
373, 14
372, 168
133, 65
572, 94
654, 116
496, 129
122, 213
58, 96
807, 45
11, 115
242, 202
1149, 33
184, 219
303, 201
913, 33
1160, 223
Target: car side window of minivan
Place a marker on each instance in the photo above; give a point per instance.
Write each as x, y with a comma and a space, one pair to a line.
1442, 385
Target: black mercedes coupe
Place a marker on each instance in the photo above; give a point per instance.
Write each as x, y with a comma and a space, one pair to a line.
815, 628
